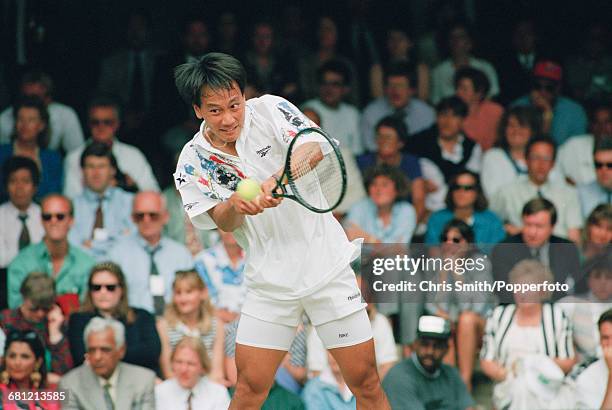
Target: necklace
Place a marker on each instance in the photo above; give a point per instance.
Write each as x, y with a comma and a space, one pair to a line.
206, 132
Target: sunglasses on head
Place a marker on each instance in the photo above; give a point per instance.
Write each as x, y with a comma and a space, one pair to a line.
94, 122
600, 165
453, 239
48, 216
139, 216
457, 187
94, 287
20, 335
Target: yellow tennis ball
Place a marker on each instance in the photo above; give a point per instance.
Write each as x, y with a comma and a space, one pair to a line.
248, 189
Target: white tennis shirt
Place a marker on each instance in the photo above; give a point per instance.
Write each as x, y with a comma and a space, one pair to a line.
291, 251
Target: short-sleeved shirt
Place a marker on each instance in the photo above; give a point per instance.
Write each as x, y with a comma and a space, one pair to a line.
403, 221
409, 386
276, 238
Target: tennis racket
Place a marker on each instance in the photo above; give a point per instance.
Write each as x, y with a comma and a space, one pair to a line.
314, 174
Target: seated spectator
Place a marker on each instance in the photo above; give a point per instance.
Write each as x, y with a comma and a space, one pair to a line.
382, 217
105, 378
25, 371
222, 269
502, 164
527, 331
460, 46
30, 140
150, 258
401, 48
190, 313
598, 191
180, 228
510, 199
445, 144
328, 390
284, 393
576, 154
390, 136
54, 255
472, 86
190, 388
101, 211
65, 131
591, 387
536, 241
584, 310
466, 202
19, 216
107, 297
104, 122
465, 310
341, 119
399, 101
422, 381
562, 117
39, 314
598, 233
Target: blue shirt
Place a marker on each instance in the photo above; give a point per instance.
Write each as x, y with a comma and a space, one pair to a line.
318, 395
409, 164
569, 118
131, 254
418, 116
117, 221
51, 174
487, 227
403, 221
591, 195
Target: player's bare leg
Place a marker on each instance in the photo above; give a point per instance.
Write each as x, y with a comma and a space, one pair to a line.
256, 369
358, 366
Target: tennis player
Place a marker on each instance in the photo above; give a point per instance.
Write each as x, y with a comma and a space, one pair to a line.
297, 260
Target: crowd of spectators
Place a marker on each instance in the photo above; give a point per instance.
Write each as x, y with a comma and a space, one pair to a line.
110, 293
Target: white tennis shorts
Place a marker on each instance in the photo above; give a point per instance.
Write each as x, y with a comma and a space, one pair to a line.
336, 310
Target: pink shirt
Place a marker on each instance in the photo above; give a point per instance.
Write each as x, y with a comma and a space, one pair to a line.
481, 125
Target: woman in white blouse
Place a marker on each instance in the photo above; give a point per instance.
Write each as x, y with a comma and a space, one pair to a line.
190, 388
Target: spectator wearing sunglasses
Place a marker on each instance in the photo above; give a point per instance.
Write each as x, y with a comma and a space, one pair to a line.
149, 258
562, 117
39, 314
30, 139
54, 255
24, 370
104, 122
600, 190
101, 211
466, 201
108, 297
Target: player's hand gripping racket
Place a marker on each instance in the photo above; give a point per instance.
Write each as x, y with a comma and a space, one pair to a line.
314, 174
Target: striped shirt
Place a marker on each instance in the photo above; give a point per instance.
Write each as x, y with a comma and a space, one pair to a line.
554, 339
176, 333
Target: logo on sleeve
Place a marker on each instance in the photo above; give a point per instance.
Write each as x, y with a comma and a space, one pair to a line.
264, 151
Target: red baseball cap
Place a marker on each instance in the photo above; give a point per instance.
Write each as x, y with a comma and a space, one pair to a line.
548, 70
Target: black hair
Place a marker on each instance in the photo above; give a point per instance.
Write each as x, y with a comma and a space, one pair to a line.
401, 69
397, 124
454, 104
336, 67
464, 229
38, 77
526, 117
105, 101
14, 164
477, 77
603, 144
393, 173
30, 338
98, 149
541, 139
42, 138
605, 317
538, 205
481, 202
214, 70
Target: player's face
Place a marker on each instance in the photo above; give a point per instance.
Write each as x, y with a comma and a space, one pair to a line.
430, 352
187, 298
517, 134
540, 161
382, 191
223, 111
605, 334
603, 168
537, 229
29, 124
98, 173
21, 188
187, 367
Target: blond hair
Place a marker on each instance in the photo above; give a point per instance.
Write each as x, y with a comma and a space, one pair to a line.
198, 347
206, 311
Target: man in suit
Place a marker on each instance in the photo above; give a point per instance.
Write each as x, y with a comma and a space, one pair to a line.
536, 241
104, 382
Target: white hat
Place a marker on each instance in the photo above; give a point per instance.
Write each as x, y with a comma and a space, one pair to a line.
434, 327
